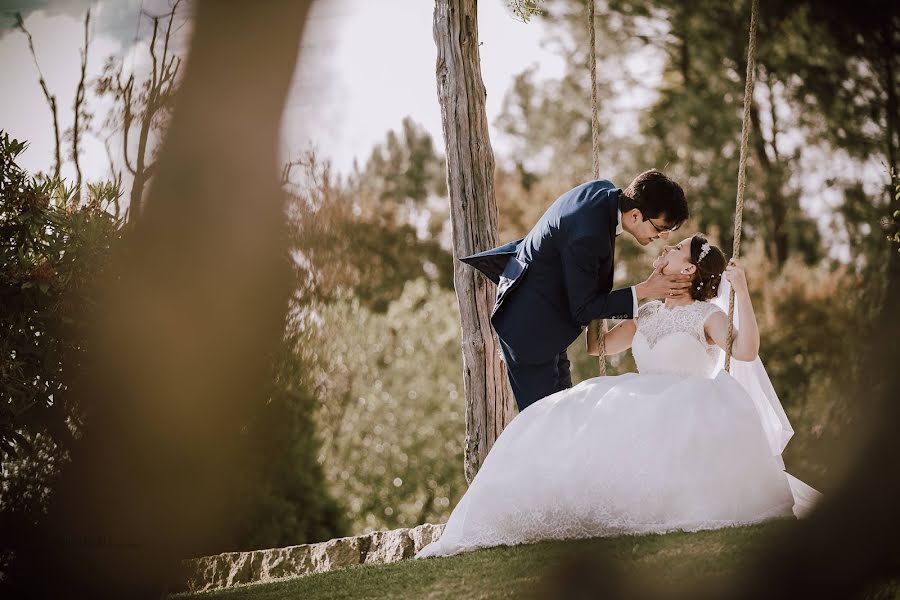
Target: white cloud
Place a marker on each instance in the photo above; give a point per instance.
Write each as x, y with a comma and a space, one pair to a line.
367, 65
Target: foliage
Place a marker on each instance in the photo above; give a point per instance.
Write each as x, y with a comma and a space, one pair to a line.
525, 9
404, 168
892, 223
376, 230
294, 505
52, 250
391, 413
373, 321
844, 58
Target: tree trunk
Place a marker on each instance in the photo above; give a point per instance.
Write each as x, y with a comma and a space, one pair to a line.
192, 309
774, 202
473, 211
140, 168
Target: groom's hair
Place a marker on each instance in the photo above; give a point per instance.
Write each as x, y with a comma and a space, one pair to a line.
656, 196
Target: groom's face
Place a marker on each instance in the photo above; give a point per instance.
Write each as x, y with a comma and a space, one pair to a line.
647, 230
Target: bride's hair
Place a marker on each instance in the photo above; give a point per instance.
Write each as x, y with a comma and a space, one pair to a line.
708, 275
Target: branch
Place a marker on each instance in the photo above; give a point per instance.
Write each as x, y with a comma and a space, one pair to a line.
169, 32
153, 72
79, 101
116, 174
161, 86
525, 9
127, 116
51, 100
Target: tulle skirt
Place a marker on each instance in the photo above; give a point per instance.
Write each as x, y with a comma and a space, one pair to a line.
630, 454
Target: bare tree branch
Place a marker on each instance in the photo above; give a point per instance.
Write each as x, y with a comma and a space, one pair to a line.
157, 92
79, 102
126, 93
146, 108
51, 99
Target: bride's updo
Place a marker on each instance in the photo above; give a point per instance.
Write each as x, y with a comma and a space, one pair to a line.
710, 267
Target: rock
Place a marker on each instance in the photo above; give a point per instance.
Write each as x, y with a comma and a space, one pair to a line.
240, 568
425, 534
224, 570
339, 553
389, 546
285, 562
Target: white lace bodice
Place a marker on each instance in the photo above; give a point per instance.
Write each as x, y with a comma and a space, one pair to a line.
672, 340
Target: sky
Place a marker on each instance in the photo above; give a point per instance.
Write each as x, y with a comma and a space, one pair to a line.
364, 67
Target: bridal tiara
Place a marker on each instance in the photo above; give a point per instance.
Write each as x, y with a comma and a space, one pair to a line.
704, 250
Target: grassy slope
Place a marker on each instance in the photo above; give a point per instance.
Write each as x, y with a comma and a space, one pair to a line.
505, 572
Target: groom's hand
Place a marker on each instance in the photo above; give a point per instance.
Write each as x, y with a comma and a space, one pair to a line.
659, 285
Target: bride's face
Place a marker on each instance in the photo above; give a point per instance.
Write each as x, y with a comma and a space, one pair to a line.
676, 259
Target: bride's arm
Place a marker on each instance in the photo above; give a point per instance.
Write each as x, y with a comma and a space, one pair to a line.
746, 330
618, 339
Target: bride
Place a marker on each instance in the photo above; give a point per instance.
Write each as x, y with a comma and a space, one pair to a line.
683, 445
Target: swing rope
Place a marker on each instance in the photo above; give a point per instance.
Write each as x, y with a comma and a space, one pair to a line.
742, 169
597, 329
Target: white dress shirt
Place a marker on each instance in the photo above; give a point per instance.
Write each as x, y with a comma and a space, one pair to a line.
619, 231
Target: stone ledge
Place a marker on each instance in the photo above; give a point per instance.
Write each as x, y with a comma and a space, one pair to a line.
259, 566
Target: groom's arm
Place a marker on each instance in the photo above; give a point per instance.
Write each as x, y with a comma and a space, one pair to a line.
588, 300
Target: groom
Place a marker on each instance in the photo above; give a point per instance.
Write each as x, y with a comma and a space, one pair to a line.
558, 278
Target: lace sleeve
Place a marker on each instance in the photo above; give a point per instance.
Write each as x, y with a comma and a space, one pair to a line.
707, 309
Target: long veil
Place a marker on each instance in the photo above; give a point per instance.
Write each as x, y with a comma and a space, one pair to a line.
754, 378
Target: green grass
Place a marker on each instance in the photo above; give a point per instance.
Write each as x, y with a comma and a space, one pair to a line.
511, 572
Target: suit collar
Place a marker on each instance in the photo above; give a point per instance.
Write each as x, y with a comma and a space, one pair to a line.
615, 215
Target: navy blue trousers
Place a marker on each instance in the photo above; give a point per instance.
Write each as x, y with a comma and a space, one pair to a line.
531, 382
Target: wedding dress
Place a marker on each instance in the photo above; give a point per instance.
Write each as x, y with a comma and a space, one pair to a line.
681, 445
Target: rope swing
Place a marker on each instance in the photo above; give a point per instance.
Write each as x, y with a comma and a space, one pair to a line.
742, 169
597, 329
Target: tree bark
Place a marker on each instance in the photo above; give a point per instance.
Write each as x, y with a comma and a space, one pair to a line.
473, 212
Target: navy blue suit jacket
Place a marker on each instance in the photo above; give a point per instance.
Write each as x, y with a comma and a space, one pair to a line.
562, 275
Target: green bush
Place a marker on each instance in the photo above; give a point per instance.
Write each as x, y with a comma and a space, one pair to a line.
53, 247
293, 505
391, 406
